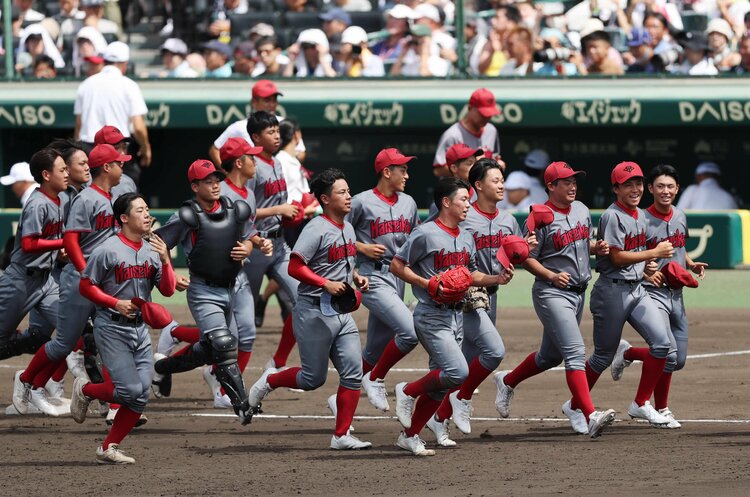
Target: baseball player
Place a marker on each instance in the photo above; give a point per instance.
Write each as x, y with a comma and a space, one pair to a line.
619, 294
474, 129
90, 221
460, 159
214, 232
665, 223
431, 250
113, 136
120, 269
323, 260
27, 283
482, 345
382, 219
560, 264
269, 187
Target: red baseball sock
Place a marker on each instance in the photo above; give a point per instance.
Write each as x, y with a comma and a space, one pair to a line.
114, 406
242, 359
366, 367
526, 369
346, 403
445, 410
79, 344
428, 383
390, 356
650, 374
125, 420
591, 378
286, 378
43, 376
423, 410
38, 363
579, 388
59, 373
661, 392
101, 391
286, 344
187, 334
477, 374
636, 354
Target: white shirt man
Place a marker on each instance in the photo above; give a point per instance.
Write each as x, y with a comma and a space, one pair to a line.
706, 194
20, 180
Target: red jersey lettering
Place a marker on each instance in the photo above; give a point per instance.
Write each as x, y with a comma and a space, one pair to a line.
563, 239
337, 252
447, 260
104, 221
272, 188
677, 240
488, 241
379, 228
124, 273
633, 242
52, 229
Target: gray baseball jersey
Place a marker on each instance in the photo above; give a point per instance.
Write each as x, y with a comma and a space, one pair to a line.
91, 216
488, 231
564, 244
388, 222
623, 230
329, 250
488, 140
269, 187
670, 228
126, 185
433, 248
42, 216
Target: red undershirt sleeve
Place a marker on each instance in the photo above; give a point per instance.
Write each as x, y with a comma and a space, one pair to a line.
302, 272
34, 243
168, 281
73, 249
96, 294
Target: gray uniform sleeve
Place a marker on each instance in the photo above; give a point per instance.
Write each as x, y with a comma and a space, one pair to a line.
173, 231
414, 249
610, 232
97, 266
308, 243
79, 217
356, 212
32, 219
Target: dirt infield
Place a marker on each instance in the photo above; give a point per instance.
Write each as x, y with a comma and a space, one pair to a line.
179, 453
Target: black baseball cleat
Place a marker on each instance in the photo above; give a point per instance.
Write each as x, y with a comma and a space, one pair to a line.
245, 413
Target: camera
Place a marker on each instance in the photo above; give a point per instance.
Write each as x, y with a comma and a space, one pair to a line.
552, 54
666, 58
356, 50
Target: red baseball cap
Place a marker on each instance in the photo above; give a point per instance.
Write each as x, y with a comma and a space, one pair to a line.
625, 171
94, 59
461, 151
559, 170
678, 277
237, 147
515, 248
202, 169
390, 157
484, 101
264, 88
105, 153
540, 215
109, 134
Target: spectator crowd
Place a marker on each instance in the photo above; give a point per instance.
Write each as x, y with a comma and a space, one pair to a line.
375, 38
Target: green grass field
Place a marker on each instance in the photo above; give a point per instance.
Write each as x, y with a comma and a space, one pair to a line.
722, 289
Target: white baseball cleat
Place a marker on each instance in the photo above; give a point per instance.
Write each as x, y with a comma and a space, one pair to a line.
331, 401
441, 429
404, 406
619, 363
376, 392
414, 444
55, 389
113, 455
21, 393
599, 420
577, 419
348, 442
79, 403
504, 394
167, 342
222, 401
647, 412
462, 411
12, 411
673, 423
260, 388
213, 384
76, 364
38, 397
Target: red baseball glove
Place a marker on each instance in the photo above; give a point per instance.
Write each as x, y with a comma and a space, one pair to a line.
452, 285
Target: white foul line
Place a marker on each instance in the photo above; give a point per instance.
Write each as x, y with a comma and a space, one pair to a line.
379, 418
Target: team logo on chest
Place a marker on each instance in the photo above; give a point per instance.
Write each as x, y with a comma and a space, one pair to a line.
52, 229
677, 239
634, 241
380, 227
130, 272
488, 241
337, 252
561, 239
445, 259
103, 221
271, 188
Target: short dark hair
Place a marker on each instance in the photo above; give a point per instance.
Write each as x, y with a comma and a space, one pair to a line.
322, 182
67, 147
663, 170
481, 167
659, 17
596, 36
44, 59
512, 13
260, 120
266, 40
43, 160
447, 187
287, 128
123, 204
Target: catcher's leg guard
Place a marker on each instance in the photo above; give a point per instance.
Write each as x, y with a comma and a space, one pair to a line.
224, 350
197, 355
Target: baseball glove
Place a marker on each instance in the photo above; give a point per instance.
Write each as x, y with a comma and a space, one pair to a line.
451, 284
155, 315
476, 298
